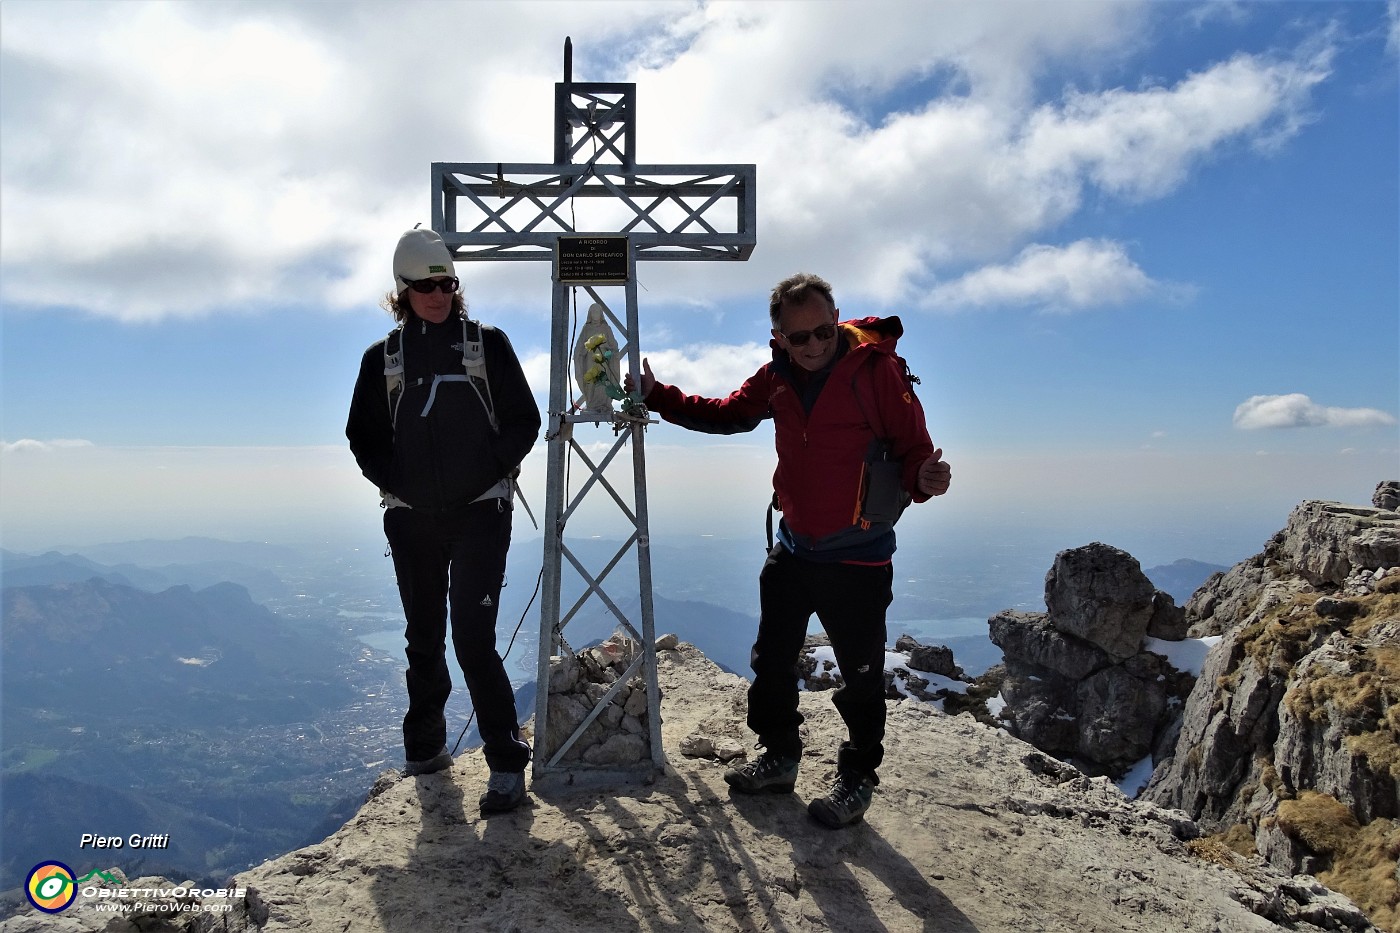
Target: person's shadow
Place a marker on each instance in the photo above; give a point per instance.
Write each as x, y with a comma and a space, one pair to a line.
493, 873
823, 860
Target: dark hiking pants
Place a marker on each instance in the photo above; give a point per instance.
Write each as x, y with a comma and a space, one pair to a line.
455, 560
850, 600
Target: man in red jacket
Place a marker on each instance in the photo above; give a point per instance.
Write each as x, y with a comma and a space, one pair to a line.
846, 422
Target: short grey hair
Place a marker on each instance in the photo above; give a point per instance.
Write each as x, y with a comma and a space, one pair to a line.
796, 290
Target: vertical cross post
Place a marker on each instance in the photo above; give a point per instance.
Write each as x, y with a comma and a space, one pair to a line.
594, 213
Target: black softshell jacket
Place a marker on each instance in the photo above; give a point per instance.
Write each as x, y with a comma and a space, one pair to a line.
445, 454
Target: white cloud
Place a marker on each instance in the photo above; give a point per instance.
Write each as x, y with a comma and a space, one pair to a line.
1393, 17
536, 369
30, 445
713, 370
1296, 410
1086, 274
1229, 11
207, 156
1141, 144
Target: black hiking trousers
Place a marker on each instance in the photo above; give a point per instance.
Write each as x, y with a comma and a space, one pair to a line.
850, 600
455, 560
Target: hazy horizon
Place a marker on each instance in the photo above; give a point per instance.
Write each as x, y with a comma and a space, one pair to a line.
1132, 501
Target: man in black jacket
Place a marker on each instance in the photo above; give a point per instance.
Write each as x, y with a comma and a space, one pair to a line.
440, 420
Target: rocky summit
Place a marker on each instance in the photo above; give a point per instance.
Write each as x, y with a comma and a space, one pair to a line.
971, 829
1273, 803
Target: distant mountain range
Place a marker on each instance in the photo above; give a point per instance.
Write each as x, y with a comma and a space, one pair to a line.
1182, 578
59, 567
153, 552
213, 654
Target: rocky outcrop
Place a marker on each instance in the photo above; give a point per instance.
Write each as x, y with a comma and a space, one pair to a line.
1387, 496
1325, 542
1290, 744
1078, 683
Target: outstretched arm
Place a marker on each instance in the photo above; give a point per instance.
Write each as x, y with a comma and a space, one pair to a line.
742, 410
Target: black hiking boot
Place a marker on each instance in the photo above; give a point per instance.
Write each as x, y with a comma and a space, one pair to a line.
769, 773
505, 790
846, 804
438, 762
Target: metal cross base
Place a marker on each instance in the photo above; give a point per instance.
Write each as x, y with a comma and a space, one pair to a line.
560, 700
555, 757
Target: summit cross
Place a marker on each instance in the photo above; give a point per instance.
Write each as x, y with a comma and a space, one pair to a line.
593, 213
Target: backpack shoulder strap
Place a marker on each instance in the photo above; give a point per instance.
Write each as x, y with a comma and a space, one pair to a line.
910, 380
474, 362
393, 371
868, 365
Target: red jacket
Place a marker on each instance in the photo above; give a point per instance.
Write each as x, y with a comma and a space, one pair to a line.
821, 470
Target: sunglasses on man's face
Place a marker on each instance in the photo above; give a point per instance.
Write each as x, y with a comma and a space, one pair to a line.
426, 286
800, 338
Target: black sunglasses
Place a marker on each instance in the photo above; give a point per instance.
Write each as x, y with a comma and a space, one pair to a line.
426, 286
800, 338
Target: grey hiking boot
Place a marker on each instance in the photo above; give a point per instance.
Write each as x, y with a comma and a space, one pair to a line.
438, 762
769, 773
846, 803
505, 790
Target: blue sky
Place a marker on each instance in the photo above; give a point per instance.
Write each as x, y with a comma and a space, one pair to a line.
1147, 254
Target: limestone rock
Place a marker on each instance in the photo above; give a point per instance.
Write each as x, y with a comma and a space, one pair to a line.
1078, 681
1324, 541
1100, 594
1168, 621
933, 659
1316, 720
1290, 737
1387, 495
1119, 714
1033, 641
620, 748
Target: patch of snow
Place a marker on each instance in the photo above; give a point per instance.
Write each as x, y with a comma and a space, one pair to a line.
1135, 781
1188, 655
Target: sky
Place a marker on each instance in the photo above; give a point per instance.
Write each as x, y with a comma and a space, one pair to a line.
1147, 254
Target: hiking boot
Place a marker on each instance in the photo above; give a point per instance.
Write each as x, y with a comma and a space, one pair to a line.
438, 762
847, 802
505, 790
769, 773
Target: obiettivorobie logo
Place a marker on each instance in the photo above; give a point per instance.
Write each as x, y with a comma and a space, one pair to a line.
52, 887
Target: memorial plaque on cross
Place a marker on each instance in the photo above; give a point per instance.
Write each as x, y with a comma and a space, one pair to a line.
594, 213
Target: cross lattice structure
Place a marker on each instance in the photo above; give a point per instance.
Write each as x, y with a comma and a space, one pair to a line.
594, 213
